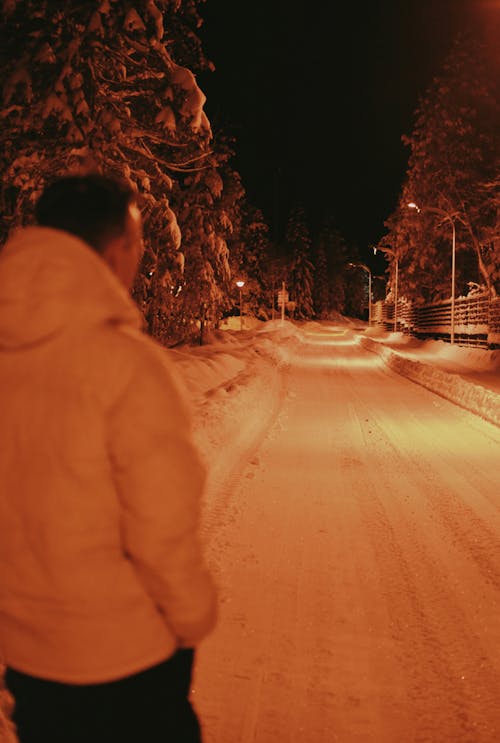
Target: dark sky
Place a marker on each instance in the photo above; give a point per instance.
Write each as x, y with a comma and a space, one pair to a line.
318, 94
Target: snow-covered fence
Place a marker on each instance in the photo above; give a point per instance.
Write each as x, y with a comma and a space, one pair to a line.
477, 320
383, 314
494, 323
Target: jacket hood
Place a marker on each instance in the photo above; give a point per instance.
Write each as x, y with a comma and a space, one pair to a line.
51, 281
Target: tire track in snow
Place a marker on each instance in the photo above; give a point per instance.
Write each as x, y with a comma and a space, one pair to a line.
457, 667
225, 468
462, 488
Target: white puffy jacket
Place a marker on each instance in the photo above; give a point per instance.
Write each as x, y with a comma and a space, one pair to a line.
101, 571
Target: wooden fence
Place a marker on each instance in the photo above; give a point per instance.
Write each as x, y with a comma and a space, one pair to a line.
477, 320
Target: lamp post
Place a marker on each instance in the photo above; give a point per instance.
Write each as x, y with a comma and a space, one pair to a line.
240, 285
450, 219
394, 254
368, 271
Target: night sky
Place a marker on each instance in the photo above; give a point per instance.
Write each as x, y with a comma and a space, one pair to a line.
318, 95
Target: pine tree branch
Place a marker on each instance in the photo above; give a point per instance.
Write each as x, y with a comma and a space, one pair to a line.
177, 167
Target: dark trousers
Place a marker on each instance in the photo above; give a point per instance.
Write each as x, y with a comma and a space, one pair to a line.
148, 707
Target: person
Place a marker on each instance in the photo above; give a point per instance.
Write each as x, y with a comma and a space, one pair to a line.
104, 592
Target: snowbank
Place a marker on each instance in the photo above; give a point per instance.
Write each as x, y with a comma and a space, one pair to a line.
235, 386
468, 377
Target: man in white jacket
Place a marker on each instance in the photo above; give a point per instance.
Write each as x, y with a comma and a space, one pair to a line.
103, 588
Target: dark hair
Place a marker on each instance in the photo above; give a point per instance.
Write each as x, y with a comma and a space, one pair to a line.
92, 207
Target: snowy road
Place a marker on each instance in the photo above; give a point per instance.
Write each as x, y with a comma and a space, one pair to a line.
357, 552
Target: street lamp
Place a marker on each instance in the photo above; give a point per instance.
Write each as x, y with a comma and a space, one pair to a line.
240, 285
365, 268
449, 218
394, 254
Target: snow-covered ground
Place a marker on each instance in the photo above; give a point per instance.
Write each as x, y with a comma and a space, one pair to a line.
353, 524
234, 380
352, 521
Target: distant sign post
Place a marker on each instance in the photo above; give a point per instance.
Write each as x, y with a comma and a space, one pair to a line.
283, 299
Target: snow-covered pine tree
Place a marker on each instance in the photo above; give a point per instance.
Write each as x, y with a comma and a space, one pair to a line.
301, 276
254, 256
332, 282
424, 270
229, 214
203, 290
209, 216
356, 294
321, 283
105, 85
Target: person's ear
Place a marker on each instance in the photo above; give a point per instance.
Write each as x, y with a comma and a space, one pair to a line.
112, 254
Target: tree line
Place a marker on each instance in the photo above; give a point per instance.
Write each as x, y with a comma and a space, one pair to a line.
452, 182
112, 86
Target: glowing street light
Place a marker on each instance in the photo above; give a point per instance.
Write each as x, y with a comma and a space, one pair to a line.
240, 285
450, 219
394, 254
365, 268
